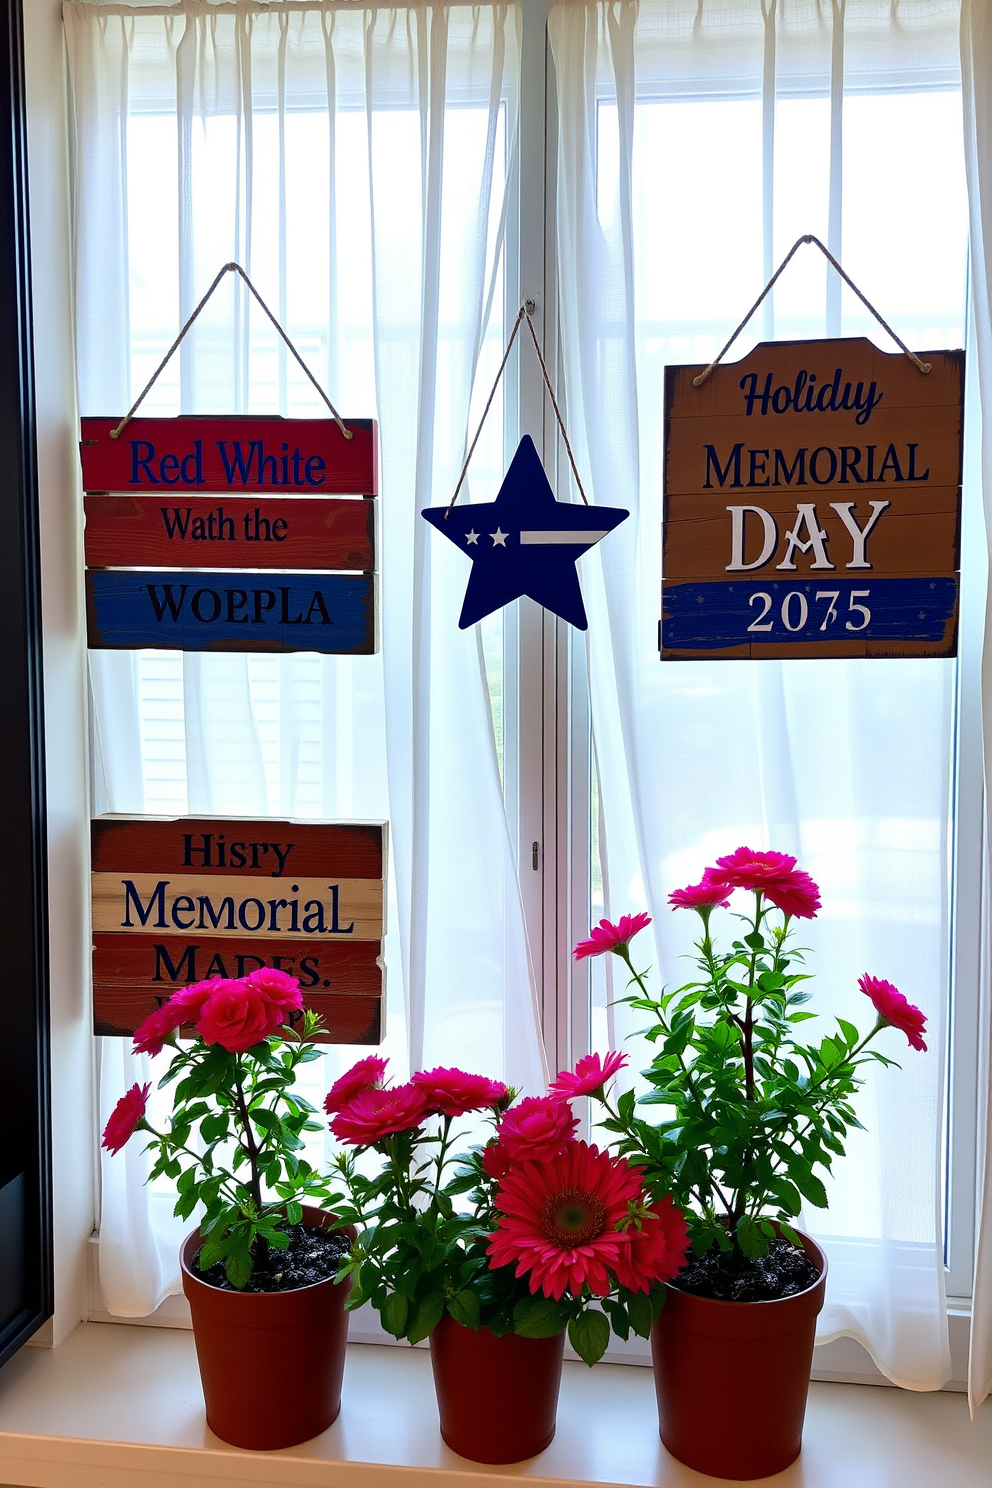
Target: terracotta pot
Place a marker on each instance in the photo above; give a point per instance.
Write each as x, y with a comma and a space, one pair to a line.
271, 1363
732, 1378
497, 1397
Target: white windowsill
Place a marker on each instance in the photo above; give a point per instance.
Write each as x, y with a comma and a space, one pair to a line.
116, 1402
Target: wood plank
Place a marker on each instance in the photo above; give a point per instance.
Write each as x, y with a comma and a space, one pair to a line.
233, 453
703, 506
161, 964
238, 907
176, 609
897, 545
119, 1011
231, 845
200, 531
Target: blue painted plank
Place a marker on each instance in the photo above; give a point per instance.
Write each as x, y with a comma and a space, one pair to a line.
196, 611
713, 615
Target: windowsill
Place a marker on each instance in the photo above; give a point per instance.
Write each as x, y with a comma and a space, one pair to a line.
115, 1401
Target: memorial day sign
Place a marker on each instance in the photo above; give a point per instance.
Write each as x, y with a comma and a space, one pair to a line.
177, 901
231, 534
812, 504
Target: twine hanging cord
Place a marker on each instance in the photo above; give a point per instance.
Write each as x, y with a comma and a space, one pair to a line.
524, 313
809, 238
229, 268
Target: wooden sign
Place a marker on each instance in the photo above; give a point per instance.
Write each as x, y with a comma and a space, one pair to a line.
179, 900
284, 508
812, 504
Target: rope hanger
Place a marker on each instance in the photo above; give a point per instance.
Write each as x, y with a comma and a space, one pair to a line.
525, 312
809, 238
229, 268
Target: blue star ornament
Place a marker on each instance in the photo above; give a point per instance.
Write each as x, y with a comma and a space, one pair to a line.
524, 542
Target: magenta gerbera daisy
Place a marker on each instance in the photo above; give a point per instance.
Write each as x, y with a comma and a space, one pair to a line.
559, 1220
589, 1076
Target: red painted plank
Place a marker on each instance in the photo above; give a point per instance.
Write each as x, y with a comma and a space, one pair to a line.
272, 532
308, 457
225, 845
160, 964
118, 1011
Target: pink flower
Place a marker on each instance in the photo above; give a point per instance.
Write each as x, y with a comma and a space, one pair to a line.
773, 874
657, 1250
699, 896
182, 1007
373, 1114
365, 1075
895, 1009
538, 1129
277, 987
124, 1117
495, 1161
588, 1078
452, 1092
609, 937
559, 1220
236, 1016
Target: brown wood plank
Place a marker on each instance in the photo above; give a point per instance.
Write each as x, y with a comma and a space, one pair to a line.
161, 964
238, 908
703, 506
231, 454
269, 532
119, 1011
163, 846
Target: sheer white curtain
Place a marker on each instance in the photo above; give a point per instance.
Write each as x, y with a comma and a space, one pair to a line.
697, 140
356, 160
976, 77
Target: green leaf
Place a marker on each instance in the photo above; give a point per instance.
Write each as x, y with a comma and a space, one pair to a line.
394, 1314
640, 1313
539, 1317
238, 1267
589, 1335
810, 1187
426, 1316
464, 1308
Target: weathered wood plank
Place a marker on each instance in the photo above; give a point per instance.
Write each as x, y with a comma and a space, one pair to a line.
202, 532
176, 609
238, 908
119, 1011
162, 963
237, 845
234, 453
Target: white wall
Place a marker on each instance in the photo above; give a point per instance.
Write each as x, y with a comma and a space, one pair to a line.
65, 662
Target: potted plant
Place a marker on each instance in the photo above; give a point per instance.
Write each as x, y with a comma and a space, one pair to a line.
749, 1114
492, 1253
260, 1270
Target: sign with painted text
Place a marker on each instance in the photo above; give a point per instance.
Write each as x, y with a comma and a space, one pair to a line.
813, 504
179, 900
231, 534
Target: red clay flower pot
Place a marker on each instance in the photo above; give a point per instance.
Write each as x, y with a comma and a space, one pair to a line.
497, 1397
271, 1363
732, 1378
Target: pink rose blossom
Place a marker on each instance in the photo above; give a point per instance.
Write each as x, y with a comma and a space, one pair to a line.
588, 1078
539, 1128
279, 988
699, 896
657, 1250
237, 1017
365, 1075
893, 1008
182, 1007
609, 937
452, 1092
124, 1118
495, 1161
372, 1115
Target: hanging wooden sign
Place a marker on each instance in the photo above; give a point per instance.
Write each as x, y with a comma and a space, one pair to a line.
179, 900
812, 504
284, 507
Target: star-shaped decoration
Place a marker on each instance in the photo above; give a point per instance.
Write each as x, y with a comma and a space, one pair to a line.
535, 553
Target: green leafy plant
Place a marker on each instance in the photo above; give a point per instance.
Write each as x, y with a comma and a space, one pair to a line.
234, 1141
531, 1233
751, 1115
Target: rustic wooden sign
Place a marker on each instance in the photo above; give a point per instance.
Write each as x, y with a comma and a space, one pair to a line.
812, 504
178, 900
284, 508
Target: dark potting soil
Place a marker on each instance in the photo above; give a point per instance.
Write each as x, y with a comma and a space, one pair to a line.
313, 1256
783, 1272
